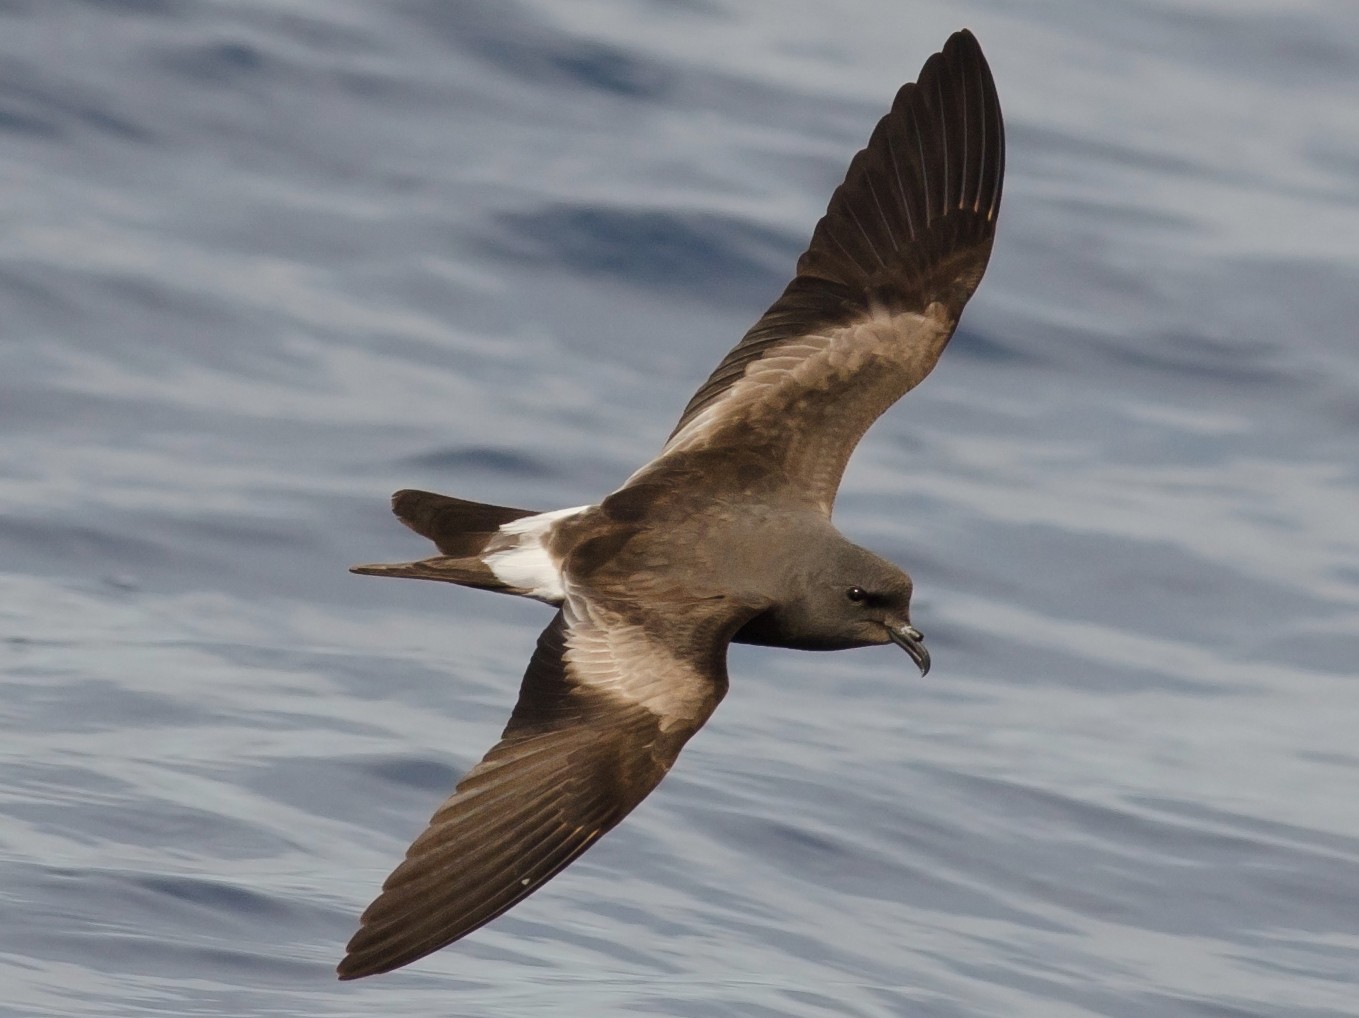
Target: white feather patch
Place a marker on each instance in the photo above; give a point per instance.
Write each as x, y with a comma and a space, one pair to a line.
618, 658
519, 557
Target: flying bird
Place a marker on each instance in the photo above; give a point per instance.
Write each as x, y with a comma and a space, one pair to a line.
725, 536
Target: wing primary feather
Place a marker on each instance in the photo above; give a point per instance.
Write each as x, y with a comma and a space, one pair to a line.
399, 942
941, 106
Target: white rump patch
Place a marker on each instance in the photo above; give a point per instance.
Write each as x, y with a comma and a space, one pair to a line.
519, 557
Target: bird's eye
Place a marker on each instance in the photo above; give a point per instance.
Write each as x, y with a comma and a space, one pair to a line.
857, 594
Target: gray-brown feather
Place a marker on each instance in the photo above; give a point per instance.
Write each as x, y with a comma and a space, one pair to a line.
458, 527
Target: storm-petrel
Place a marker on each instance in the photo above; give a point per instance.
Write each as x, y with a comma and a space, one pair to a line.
725, 535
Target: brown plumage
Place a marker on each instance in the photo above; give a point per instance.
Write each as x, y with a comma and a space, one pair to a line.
725, 536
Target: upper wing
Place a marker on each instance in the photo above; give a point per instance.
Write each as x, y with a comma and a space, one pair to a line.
878, 292
602, 714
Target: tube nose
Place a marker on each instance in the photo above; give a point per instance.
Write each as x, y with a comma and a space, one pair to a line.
911, 640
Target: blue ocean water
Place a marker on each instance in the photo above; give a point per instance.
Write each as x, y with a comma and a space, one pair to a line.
263, 263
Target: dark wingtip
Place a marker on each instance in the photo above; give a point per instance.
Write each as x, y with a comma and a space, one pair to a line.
352, 966
914, 218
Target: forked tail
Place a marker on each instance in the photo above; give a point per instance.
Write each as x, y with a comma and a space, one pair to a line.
484, 546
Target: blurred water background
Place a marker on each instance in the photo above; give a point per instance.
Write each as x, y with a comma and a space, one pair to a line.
264, 262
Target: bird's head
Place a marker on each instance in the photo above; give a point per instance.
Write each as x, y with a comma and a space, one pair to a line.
838, 596
865, 600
